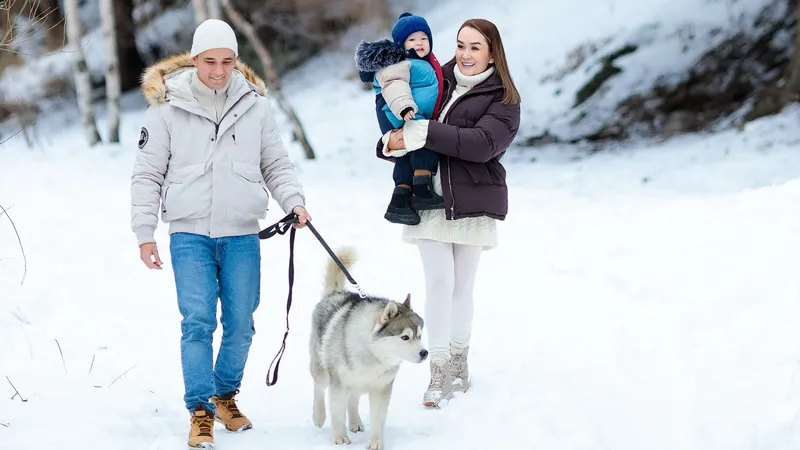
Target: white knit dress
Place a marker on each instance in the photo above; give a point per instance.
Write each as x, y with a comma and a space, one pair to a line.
470, 230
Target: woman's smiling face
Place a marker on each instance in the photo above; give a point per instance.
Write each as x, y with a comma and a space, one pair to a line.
472, 52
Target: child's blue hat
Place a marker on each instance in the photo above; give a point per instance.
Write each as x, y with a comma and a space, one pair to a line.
407, 24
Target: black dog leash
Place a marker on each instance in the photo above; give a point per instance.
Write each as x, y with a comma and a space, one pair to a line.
281, 227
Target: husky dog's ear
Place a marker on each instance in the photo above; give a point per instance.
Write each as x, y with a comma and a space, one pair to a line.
407, 302
389, 312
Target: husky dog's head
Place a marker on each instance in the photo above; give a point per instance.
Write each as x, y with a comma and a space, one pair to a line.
398, 332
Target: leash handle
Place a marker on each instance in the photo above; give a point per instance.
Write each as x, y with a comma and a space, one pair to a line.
282, 227
277, 360
279, 227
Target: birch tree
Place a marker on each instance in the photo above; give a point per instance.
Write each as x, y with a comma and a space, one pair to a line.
83, 86
200, 11
214, 9
113, 82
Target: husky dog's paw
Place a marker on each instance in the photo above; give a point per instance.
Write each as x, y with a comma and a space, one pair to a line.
319, 415
341, 440
356, 424
374, 444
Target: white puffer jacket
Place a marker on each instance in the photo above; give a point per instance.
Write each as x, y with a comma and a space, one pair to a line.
203, 176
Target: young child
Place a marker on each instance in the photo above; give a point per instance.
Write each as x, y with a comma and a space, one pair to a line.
407, 80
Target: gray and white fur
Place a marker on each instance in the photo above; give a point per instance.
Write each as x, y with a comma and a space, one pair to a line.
356, 347
375, 55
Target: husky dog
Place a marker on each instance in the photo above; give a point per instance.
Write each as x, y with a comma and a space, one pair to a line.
356, 346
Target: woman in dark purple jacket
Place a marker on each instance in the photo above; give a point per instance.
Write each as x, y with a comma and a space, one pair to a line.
478, 121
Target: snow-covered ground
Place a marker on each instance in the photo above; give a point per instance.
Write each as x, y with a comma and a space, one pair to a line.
643, 298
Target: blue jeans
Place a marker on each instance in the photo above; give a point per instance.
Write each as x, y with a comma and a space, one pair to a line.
207, 269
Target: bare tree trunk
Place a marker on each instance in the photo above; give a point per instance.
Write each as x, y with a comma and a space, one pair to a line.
200, 11
214, 9
271, 75
131, 63
113, 85
83, 86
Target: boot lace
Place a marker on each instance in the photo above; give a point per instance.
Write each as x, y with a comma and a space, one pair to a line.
204, 424
457, 365
230, 405
437, 377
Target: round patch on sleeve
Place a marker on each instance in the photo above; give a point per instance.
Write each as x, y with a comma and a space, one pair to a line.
143, 137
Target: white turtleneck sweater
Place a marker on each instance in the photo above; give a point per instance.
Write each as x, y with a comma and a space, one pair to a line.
471, 230
211, 100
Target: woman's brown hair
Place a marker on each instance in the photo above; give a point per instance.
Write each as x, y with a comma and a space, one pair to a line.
496, 49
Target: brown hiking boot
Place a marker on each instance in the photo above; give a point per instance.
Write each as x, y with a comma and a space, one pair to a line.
228, 413
201, 433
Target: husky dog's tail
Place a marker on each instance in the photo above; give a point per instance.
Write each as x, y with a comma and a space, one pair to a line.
334, 277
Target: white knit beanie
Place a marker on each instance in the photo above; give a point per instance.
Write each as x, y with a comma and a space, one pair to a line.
214, 33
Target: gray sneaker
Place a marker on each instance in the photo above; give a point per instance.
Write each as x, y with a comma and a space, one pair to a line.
440, 388
459, 369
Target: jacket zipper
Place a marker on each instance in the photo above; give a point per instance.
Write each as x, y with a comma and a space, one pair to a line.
452, 197
448, 94
216, 124
216, 127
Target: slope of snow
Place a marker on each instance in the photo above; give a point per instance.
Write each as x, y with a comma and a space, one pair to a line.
538, 38
615, 314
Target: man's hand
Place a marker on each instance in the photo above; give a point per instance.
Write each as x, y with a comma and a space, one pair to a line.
148, 252
302, 216
396, 140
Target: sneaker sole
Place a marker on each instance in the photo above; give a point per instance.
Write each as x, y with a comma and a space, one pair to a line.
424, 207
437, 405
441, 403
204, 446
400, 219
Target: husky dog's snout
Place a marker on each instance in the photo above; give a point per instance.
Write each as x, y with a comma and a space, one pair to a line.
422, 355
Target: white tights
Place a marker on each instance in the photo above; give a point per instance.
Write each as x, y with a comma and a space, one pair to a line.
450, 271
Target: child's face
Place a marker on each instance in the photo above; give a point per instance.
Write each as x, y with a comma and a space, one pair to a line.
419, 42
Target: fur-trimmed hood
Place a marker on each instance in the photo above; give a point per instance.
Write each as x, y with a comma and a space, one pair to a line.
154, 79
375, 55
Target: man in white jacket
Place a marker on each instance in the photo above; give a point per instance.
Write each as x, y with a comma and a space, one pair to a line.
209, 157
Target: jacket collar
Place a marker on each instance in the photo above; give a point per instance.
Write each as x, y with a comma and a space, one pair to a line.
490, 84
168, 81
